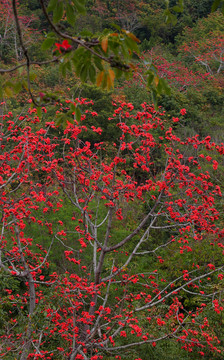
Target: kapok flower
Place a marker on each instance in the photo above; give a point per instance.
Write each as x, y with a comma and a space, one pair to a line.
183, 111
64, 46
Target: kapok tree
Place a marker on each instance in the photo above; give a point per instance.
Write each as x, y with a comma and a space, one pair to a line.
159, 69
131, 205
205, 44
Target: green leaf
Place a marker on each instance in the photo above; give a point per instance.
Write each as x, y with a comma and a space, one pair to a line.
124, 50
86, 33
98, 63
80, 57
52, 4
62, 119
47, 43
92, 74
167, 3
70, 13
78, 113
59, 120
65, 123
177, 9
78, 53
104, 81
154, 98
50, 34
62, 69
72, 107
106, 32
150, 79
78, 67
114, 46
164, 86
58, 12
68, 65
39, 112
117, 27
131, 44
159, 87
80, 7
154, 69
84, 72
171, 19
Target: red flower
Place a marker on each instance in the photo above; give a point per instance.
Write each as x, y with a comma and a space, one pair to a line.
123, 333
79, 357
183, 111
64, 45
211, 266
215, 164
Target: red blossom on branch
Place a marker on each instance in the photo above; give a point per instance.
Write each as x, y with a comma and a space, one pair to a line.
99, 206
64, 46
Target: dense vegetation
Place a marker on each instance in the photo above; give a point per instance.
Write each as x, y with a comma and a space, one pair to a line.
111, 177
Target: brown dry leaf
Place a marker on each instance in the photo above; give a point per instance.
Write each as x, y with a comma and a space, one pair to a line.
109, 82
104, 44
156, 80
112, 77
99, 78
133, 37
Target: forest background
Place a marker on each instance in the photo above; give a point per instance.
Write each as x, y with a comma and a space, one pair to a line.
173, 57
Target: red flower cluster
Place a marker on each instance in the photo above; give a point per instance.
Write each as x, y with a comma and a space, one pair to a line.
64, 46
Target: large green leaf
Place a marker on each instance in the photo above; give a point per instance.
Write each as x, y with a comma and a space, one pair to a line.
78, 113
47, 43
163, 87
70, 14
150, 78
84, 72
92, 73
98, 63
80, 7
63, 69
58, 12
52, 4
